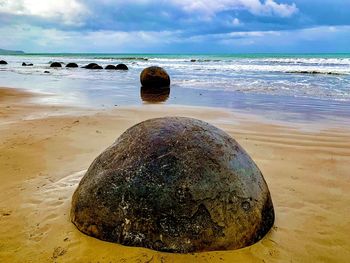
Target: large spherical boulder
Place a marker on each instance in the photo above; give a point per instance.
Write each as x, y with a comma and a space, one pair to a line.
154, 77
174, 184
72, 65
121, 67
55, 65
3, 62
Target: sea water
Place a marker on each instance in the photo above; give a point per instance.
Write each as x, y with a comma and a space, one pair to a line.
313, 85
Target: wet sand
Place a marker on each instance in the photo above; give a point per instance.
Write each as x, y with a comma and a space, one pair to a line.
45, 150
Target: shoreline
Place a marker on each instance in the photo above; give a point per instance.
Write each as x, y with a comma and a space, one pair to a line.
40, 99
44, 153
254, 85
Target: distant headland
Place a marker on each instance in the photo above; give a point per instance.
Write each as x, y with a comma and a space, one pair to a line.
10, 52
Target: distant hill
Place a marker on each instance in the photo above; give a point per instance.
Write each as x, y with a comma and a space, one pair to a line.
9, 52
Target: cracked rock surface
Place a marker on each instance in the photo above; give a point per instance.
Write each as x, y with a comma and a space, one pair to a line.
174, 184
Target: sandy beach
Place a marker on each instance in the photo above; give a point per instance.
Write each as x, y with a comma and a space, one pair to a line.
45, 150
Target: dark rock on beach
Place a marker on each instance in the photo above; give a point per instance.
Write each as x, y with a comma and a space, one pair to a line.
3, 62
46, 72
177, 185
121, 67
110, 67
72, 65
97, 67
193, 60
27, 64
93, 66
55, 65
90, 66
315, 72
154, 77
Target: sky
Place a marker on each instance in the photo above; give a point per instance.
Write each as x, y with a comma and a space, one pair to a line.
176, 26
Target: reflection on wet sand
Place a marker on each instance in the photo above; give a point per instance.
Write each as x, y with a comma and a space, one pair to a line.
152, 95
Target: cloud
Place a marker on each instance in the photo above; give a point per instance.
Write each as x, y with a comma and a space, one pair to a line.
210, 7
233, 36
37, 39
65, 11
235, 21
81, 12
315, 40
173, 25
283, 10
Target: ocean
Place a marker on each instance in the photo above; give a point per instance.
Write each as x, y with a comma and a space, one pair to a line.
288, 86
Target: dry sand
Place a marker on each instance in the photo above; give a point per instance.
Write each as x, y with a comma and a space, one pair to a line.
43, 157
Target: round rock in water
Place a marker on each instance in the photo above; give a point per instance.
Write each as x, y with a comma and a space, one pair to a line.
110, 67
55, 65
90, 66
177, 185
154, 77
121, 67
97, 67
72, 65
